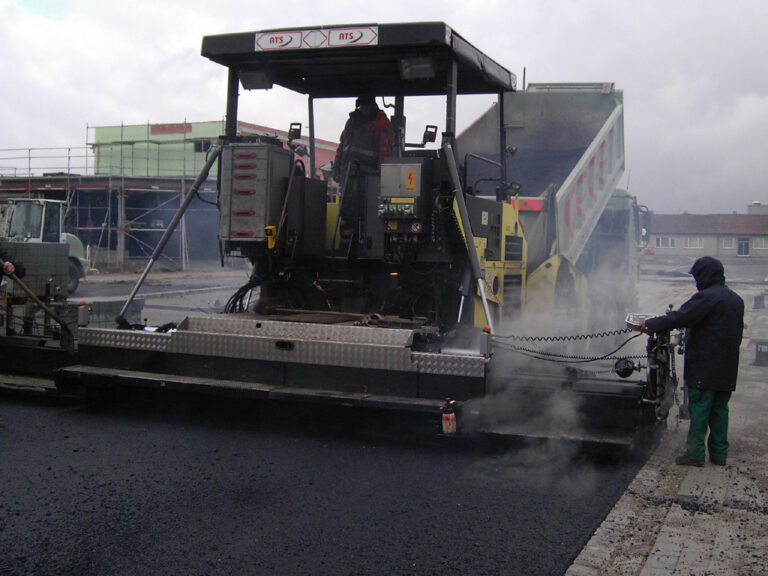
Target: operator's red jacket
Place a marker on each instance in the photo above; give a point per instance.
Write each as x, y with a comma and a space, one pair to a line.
364, 142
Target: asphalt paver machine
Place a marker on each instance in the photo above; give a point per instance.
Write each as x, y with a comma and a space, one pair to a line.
426, 309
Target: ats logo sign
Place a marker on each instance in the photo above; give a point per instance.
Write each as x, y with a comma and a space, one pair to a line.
317, 38
278, 41
353, 37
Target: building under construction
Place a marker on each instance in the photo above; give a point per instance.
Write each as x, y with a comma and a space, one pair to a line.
123, 188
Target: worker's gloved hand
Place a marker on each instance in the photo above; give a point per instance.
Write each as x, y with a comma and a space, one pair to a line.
642, 327
20, 270
8, 267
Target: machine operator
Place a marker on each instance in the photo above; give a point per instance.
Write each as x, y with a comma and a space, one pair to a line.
366, 139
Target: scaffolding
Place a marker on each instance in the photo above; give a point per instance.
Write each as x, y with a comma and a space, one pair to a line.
121, 193
123, 187
120, 218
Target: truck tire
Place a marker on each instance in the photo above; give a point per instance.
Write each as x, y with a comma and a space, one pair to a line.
73, 277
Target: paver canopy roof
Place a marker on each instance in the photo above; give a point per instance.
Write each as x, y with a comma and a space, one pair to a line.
340, 61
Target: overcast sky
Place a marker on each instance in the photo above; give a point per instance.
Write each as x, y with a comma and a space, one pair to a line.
693, 74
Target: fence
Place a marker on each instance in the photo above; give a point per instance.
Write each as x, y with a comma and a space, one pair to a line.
29, 162
143, 158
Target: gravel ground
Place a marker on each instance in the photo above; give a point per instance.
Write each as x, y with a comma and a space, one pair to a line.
219, 487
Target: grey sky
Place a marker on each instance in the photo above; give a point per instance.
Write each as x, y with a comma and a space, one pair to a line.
694, 81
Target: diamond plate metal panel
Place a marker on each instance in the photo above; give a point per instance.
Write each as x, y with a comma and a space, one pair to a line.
128, 339
299, 330
450, 364
292, 351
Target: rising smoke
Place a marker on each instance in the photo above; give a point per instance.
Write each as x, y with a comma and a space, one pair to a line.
541, 356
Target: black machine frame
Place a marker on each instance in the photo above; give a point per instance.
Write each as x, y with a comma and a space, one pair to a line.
393, 60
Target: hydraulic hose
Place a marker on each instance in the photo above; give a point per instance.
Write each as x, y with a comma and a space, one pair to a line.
284, 212
474, 259
215, 152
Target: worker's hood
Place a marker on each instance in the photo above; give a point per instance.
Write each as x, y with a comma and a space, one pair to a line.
707, 271
371, 112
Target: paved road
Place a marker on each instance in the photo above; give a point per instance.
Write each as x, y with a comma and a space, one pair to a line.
168, 297
218, 488
745, 270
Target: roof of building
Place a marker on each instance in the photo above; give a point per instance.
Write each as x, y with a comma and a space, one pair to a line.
710, 224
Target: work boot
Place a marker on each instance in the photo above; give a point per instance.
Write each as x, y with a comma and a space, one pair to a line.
717, 461
683, 460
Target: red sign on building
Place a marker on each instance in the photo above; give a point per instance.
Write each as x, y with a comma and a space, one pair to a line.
178, 128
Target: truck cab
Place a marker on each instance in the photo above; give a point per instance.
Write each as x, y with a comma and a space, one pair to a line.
41, 221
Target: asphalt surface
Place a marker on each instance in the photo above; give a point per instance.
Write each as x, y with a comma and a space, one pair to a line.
742, 270
201, 487
212, 487
168, 296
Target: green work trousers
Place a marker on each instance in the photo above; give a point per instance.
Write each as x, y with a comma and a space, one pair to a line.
709, 411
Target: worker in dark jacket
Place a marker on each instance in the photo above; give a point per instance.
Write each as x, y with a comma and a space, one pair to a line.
367, 138
714, 317
8, 267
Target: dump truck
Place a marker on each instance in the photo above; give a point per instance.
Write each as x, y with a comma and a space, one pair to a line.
467, 254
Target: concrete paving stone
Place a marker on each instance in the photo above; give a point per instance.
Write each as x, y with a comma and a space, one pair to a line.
722, 569
696, 553
580, 570
628, 566
593, 558
660, 564
669, 543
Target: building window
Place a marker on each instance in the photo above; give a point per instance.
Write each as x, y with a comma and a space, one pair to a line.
665, 242
743, 247
202, 145
728, 244
760, 243
693, 242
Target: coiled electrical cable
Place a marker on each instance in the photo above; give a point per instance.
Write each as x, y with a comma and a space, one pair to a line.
567, 338
565, 358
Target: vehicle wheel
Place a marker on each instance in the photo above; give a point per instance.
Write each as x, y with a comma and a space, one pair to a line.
73, 278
